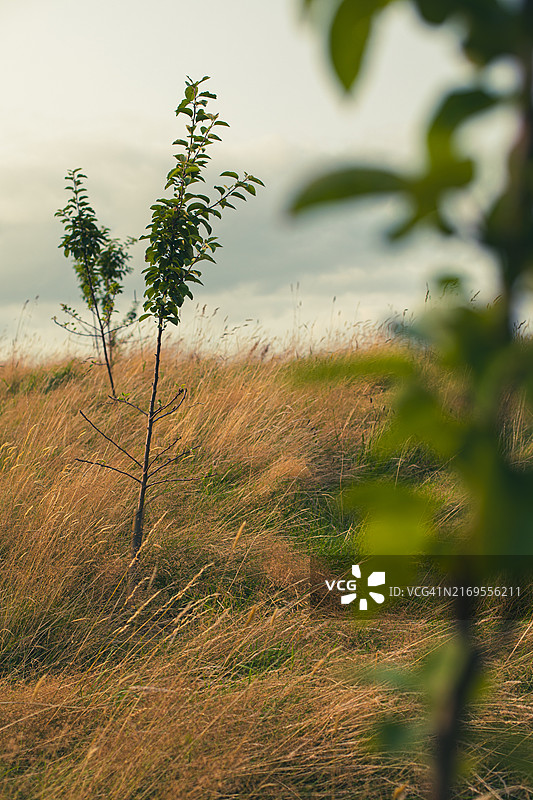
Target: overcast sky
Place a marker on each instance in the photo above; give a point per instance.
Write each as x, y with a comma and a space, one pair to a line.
95, 85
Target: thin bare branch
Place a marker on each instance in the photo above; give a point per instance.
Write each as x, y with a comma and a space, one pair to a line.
65, 326
75, 333
162, 408
106, 466
169, 461
162, 453
168, 480
121, 327
111, 440
74, 314
167, 413
127, 402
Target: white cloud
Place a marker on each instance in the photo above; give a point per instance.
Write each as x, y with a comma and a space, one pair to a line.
99, 87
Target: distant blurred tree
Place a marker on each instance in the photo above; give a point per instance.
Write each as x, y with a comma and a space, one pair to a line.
477, 348
101, 263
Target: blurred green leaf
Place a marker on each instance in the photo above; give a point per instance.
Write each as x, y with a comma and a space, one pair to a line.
434, 11
378, 365
441, 668
349, 34
395, 678
400, 518
490, 29
503, 497
398, 735
421, 419
346, 184
454, 110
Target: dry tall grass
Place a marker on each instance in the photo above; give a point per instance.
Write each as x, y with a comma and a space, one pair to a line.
215, 682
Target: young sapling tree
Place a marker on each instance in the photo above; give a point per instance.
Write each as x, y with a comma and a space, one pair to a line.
100, 263
179, 239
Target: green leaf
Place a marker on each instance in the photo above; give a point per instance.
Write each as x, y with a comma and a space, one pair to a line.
346, 184
453, 111
400, 520
491, 28
434, 11
323, 370
349, 34
421, 419
399, 735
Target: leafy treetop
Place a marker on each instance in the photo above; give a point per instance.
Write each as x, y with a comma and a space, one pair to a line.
180, 233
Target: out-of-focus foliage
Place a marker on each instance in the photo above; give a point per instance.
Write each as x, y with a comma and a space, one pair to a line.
475, 349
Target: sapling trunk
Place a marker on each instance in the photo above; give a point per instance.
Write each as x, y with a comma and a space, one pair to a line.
451, 715
107, 354
138, 522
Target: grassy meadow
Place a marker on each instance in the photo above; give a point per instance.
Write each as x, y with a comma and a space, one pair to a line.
214, 681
